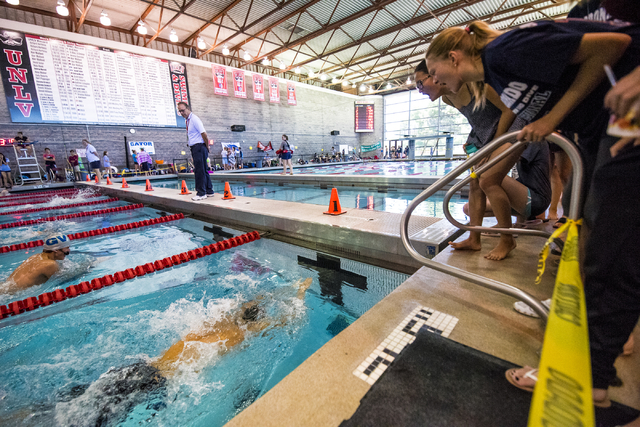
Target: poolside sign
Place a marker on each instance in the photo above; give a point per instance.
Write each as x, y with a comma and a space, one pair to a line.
372, 147
137, 145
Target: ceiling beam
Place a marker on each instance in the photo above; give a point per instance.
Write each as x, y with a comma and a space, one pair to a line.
212, 20
171, 21
144, 15
86, 4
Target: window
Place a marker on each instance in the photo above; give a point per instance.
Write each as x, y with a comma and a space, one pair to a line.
410, 113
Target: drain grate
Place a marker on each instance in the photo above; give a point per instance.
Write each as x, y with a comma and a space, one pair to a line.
331, 248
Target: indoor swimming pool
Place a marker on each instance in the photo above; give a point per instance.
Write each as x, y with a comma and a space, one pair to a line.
394, 201
92, 359
418, 169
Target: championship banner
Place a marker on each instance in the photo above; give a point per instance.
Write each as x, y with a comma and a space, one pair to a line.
258, 87
274, 90
239, 87
17, 77
220, 80
291, 93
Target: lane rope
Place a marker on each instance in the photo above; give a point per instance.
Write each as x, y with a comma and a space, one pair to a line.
50, 208
40, 200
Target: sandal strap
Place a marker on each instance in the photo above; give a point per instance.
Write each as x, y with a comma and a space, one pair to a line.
531, 375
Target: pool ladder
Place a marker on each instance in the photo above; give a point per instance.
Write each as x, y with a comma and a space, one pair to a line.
574, 212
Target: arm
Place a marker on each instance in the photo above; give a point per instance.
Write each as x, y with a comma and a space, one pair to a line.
204, 138
595, 51
506, 118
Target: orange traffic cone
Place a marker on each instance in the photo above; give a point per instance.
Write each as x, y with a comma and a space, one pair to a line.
334, 204
148, 186
184, 189
88, 179
227, 192
97, 180
124, 183
109, 181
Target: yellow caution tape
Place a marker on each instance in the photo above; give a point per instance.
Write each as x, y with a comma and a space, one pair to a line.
563, 395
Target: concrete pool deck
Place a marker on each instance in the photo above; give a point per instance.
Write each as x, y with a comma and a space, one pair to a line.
323, 391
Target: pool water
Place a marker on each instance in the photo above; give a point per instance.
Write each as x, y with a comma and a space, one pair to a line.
58, 359
418, 169
395, 201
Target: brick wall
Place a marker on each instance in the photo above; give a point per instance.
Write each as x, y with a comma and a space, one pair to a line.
307, 124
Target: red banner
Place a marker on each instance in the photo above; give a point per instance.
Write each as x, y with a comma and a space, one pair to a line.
291, 93
263, 147
220, 80
274, 90
258, 87
239, 87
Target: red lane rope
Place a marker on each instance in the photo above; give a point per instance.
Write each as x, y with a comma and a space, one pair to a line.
97, 232
49, 208
23, 195
44, 200
48, 298
75, 215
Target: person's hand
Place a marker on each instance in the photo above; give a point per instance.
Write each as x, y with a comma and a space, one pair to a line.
538, 130
624, 94
622, 144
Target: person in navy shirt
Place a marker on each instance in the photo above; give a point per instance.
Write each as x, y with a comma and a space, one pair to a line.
197, 140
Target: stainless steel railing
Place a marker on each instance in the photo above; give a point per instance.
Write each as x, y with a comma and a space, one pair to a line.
574, 212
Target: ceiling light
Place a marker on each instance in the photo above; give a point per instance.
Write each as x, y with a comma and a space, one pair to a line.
345, 83
225, 52
371, 89
173, 36
266, 61
62, 9
297, 70
363, 87
201, 44
389, 86
141, 28
282, 66
104, 19
14, 2
323, 77
334, 80
247, 57
354, 85
311, 74
408, 80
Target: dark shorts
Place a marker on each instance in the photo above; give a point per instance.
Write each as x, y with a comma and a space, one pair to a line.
95, 165
145, 167
286, 156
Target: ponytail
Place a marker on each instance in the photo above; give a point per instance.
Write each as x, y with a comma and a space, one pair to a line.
471, 40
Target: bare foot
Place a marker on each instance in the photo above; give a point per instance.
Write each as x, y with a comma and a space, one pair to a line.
500, 252
466, 245
553, 215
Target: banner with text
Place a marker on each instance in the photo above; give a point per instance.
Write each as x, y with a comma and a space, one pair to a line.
258, 87
274, 90
220, 80
56, 81
291, 93
137, 145
239, 87
372, 147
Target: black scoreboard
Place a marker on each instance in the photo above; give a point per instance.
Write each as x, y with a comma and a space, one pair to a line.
364, 117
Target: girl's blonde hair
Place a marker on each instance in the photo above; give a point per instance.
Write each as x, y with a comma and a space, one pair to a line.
471, 41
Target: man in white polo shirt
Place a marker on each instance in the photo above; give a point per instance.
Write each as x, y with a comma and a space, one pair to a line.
92, 158
197, 139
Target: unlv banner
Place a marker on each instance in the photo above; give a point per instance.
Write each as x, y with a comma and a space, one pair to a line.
258, 87
239, 87
274, 90
291, 93
17, 77
220, 80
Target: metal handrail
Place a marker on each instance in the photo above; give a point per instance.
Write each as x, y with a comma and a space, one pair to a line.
574, 212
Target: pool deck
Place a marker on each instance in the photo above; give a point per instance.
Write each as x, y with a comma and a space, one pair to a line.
362, 235
323, 391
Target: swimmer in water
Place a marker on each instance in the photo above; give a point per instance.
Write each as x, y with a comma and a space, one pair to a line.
40, 267
112, 396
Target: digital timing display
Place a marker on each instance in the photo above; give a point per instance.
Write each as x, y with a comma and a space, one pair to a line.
364, 117
6, 141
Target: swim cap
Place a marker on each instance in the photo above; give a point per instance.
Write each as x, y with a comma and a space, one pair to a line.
56, 242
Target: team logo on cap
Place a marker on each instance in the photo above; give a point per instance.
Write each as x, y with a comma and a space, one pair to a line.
56, 240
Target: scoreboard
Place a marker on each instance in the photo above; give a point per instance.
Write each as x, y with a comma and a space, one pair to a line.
364, 113
6, 141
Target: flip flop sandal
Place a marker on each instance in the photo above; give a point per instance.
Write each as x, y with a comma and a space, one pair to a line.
523, 308
559, 222
532, 374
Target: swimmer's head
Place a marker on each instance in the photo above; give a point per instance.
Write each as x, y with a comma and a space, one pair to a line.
251, 312
58, 244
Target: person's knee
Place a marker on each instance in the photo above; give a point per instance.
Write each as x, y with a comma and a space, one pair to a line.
465, 209
489, 183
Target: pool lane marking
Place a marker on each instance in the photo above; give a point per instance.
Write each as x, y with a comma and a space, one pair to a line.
28, 304
47, 199
96, 232
404, 334
69, 216
50, 208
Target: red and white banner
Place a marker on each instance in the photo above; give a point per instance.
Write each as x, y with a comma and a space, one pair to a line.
220, 80
291, 93
263, 147
239, 86
258, 87
274, 90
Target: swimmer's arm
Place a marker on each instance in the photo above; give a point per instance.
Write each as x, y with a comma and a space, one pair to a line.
595, 51
506, 117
